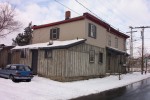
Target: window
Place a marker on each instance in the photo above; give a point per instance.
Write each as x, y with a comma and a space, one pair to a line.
20, 68
48, 53
13, 67
92, 30
116, 42
92, 56
100, 57
124, 45
7, 67
23, 53
54, 34
109, 40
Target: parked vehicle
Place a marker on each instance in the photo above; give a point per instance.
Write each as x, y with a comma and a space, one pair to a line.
17, 72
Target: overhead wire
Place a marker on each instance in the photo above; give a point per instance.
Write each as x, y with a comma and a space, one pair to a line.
66, 7
96, 15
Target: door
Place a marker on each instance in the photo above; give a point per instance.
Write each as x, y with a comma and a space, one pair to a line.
34, 61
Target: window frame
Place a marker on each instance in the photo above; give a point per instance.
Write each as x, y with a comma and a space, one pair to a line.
46, 53
116, 42
100, 57
54, 33
92, 30
91, 53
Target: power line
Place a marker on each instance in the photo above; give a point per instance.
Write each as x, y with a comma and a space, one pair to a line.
142, 34
114, 7
66, 7
109, 17
95, 14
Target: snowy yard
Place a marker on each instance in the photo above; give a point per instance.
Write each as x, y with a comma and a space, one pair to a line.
45, 89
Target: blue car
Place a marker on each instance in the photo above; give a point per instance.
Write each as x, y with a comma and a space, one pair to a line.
17, 72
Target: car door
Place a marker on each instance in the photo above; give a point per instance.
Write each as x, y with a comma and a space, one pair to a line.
23, 70
4, 72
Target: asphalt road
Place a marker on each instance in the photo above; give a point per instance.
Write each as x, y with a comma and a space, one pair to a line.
136, 91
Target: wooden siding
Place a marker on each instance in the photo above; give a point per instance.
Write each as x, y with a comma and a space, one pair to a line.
116, 64
77, 61
52, 67
16, 59
72, 63
3, 58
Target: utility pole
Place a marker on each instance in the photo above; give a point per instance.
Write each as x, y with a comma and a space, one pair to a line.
131, 46
142, 35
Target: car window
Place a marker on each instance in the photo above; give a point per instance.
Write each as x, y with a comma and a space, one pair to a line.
27, 68
13, 67
7, 67
20, 68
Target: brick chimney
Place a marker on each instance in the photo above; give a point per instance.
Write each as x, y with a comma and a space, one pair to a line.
67, 15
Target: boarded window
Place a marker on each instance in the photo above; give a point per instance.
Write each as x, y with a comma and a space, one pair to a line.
48, 53
100, 57
54, 34
92, 30
92, 56
23, 53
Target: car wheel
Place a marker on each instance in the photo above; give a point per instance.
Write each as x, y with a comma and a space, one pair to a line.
28, 80
12, 78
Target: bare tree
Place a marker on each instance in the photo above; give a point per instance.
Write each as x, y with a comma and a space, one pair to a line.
8, 24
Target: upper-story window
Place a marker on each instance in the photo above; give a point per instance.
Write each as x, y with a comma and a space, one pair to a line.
92, 30
124, 45
109, 40
116, 42
54, 33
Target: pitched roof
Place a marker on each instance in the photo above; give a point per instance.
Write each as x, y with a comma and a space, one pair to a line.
89, 17
54, 45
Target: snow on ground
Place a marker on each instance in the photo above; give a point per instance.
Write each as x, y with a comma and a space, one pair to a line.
45, 89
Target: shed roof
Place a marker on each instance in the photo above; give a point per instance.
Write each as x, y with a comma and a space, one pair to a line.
54, 45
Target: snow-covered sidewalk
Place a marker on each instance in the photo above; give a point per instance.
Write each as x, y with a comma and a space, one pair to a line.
45, 89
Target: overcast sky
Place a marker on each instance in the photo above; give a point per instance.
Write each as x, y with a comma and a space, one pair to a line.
119, 13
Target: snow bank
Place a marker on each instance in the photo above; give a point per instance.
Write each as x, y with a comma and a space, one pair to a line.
45, 89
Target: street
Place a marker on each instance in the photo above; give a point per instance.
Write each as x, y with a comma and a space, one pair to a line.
137, 91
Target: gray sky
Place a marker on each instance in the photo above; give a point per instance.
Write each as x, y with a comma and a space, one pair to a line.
119, 13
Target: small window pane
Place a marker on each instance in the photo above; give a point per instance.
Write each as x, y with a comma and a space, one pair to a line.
92, 56
92, 30
101, 57
48, 53
54, 36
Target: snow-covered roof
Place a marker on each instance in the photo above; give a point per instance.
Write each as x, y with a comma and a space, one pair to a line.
54, 44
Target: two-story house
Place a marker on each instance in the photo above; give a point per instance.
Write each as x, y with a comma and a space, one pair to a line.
75, 48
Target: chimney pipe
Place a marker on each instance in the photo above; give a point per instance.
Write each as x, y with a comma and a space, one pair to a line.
67, 15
